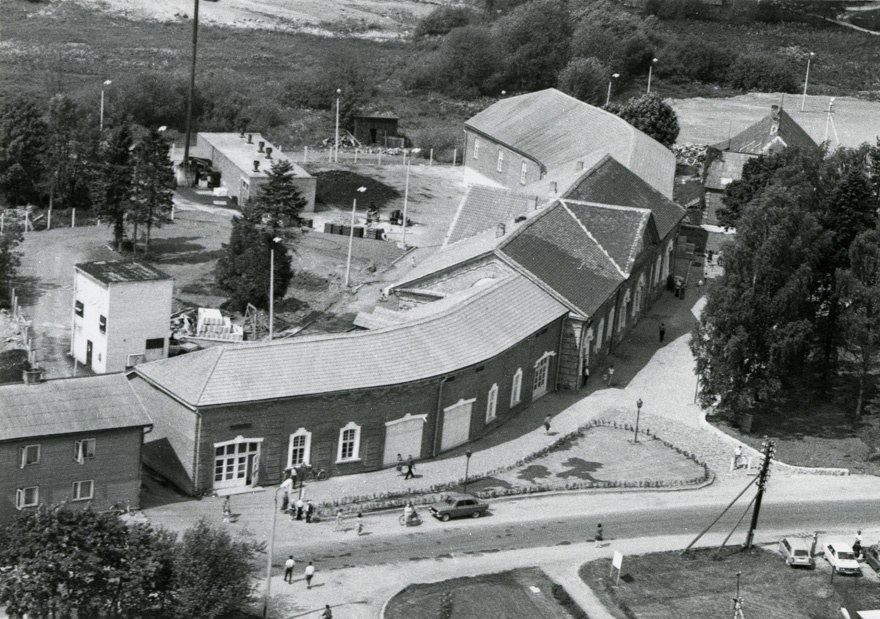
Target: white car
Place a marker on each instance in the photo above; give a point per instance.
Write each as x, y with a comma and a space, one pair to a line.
842, 558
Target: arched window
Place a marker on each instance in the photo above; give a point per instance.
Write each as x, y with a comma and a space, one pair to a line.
299, 450
492, 403
349, 443
516, 388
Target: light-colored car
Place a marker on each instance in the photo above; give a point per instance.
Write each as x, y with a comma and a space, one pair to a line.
842, 558
796, 552
458, 505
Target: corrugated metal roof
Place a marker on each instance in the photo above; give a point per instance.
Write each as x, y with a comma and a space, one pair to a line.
610, 182
485, 207
760, 138
69, 405
558, 130
110, 272
473, 331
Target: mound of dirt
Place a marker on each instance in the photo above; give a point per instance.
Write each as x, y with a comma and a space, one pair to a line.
340, 187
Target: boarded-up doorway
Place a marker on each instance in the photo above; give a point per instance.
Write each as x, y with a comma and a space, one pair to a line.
403, 436
456, 424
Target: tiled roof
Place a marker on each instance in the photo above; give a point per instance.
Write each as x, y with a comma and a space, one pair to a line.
760, 138
484, 207
117, 271
69, 405
558, 131
476, 329
726, 168
560, 253
452, 255
619, 230
610, 182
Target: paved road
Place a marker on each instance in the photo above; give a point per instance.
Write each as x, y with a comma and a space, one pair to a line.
435, 540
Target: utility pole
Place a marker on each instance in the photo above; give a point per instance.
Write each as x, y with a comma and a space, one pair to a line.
192, 88
737, 601
769, 450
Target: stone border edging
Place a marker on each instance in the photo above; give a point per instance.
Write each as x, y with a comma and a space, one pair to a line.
806, 470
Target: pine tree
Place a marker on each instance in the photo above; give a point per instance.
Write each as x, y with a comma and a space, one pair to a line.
70, 149
113, 182
153, 184
278, 203
22, 142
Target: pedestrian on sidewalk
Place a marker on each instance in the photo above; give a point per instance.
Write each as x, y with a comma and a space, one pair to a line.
338, 525
611, 375
310, 510
737, 457
586, 373
227, 510
547, 423
599, 535
662, 331
410, 468
327, 614
288, 570
399, 465
310, 571
360, 523
299, 508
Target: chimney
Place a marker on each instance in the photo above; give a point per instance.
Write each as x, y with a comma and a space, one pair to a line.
499, 231
268, 152
260, 147
553, 187
256, 165
33, 376
250, 138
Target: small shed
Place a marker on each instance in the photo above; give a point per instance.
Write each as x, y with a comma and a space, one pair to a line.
375, 128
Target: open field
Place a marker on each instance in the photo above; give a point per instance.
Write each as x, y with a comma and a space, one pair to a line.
520, 593
668, 586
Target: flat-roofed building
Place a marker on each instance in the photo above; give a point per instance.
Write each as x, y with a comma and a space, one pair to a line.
121, 314
244, 162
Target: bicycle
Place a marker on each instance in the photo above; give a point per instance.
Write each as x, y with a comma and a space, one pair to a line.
317, 475
414, 520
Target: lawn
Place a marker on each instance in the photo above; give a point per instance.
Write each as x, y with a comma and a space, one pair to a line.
599, 454
667, 586
519, 593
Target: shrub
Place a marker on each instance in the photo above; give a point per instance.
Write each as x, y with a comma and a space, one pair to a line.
464, 65
154, 99
315, 87
443, 140
584, 79
692, 58
443, 19
764, 73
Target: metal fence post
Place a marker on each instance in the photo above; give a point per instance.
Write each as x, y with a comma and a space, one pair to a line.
431, 161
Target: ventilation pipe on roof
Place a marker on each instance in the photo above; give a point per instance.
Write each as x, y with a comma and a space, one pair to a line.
250, 138
579, 165
553, 187
260, 147
256, 165
268, 152
500, 230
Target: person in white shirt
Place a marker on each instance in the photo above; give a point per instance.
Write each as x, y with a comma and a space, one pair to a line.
310, 571
288, 569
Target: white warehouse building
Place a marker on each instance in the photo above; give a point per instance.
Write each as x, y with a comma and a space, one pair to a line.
121, 315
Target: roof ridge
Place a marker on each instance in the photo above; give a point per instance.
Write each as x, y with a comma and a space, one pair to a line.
210, 374
537, 281
643, 225
613, 207
455, 218
594, 239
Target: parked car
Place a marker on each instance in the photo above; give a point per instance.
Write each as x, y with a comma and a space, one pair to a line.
842, 558
796, 552
458, 505
872, 556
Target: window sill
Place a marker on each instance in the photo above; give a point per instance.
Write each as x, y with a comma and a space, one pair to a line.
349, 461
81, 500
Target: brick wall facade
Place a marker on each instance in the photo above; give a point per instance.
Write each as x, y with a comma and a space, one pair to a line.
484, 168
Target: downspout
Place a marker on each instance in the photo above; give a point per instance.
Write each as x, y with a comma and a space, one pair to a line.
615, 321
559, 354
437, 415
198, 449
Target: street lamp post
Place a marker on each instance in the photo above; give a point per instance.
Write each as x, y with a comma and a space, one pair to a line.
277, 239
269, 560
638, 414
101, 124
806, 81
351, 236
614, 76
650, 71
467, 466
336, 156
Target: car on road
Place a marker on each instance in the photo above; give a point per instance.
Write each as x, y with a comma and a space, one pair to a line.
796, 552
842, 558
458, 505
872, 556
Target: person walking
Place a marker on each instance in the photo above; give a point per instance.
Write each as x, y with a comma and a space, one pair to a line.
410, 468
547, 423
737, 457
360, 523
857, 544
299, 509
327, 614
310, 571
288, 570
310, 510
662, 331
227, 510
399, 465
586, 374
599, 535
338, 525
611, 375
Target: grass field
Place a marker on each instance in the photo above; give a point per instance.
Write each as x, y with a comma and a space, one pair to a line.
668, 586
499, 596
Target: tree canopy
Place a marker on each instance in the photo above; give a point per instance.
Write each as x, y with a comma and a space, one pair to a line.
651, 115
584, 79
22, 141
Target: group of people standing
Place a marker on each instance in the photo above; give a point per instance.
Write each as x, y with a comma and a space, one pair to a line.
299, 508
